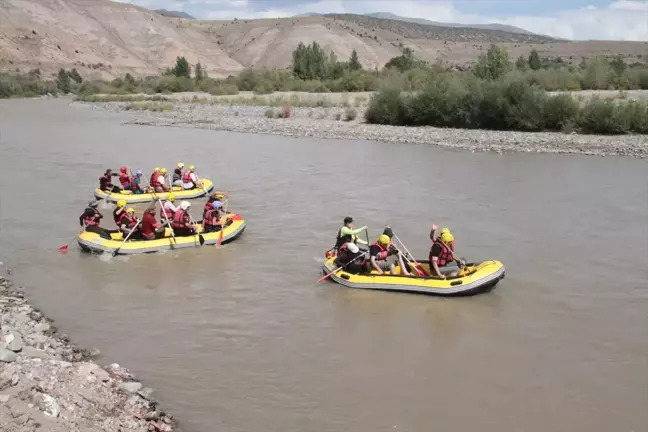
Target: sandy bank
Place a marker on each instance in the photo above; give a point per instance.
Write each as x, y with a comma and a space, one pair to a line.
48, 384
335, 122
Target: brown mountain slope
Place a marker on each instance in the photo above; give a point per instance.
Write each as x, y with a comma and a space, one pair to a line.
105, 38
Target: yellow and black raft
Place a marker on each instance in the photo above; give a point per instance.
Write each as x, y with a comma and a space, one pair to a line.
93, 242
180, 194
475, 278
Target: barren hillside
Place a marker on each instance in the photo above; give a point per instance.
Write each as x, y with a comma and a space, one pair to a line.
105, 38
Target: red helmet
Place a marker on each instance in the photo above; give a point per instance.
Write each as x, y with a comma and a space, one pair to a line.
123, 169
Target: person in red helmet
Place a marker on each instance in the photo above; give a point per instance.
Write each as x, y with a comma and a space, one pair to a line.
125, 180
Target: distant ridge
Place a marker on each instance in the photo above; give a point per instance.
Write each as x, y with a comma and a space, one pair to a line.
174, 14
391, 16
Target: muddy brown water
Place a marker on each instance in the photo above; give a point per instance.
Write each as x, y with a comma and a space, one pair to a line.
241, 339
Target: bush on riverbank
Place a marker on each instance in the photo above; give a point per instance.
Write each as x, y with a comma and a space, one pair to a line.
508, 104
25, 85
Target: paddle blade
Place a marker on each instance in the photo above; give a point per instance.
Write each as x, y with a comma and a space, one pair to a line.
63, 248
236, 217
201, 239
324, 277
220, 237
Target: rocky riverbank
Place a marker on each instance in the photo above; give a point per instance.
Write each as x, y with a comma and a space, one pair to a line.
48, 384
347, 123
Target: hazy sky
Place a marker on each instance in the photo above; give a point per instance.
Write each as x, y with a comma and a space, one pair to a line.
572, 19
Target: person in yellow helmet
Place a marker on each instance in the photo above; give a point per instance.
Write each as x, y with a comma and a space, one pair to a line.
177, 175
119, 211
168, 208
160, 184
129, 223
190, 180
442, 254
380, 251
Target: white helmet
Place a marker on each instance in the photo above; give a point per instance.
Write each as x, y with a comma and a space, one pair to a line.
353, 247
184, 205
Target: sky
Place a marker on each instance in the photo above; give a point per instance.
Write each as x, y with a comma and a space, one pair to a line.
570, 19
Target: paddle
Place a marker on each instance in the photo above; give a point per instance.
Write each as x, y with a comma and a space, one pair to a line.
64, 248
202, 186
116, 251
220, 235
417, 266
341, 267
201, 239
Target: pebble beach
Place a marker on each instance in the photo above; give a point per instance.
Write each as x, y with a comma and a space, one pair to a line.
335, 123
49, 384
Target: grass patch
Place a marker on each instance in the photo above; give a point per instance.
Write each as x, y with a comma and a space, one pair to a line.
148, 106
121, 98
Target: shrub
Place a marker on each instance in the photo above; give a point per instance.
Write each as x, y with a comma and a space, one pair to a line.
287, 111
350, 114
603, 117
560, 112
637, 114
386, 107
269, 113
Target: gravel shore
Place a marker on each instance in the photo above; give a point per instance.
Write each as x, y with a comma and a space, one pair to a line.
334, 123
47, 384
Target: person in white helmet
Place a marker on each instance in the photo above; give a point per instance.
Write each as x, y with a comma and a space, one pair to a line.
349, 257
182, 220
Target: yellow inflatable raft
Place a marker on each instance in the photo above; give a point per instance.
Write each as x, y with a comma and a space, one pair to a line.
131, 198
93, 242
474, 279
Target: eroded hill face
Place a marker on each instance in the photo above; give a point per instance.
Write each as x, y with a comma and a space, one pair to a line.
105, 39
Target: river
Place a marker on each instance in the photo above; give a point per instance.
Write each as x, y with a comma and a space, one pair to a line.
240, 338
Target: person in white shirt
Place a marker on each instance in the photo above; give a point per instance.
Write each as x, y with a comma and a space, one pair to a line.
168, 208
161, 180
189, 179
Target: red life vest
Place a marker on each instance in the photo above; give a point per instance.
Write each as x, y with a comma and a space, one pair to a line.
91, 220
117, 217
124, 179
384, 252
209, 205
186, 177
444, 257
169, 213
154, 180
180, 218
209, 215
129, 221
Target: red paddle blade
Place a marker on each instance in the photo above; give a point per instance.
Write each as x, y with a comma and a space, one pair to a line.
237, 217
63, 248
220, 237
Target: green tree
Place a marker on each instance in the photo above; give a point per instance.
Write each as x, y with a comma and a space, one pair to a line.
354, 62
521, 63
198, 71
493, 65
74, 74
534, 60
181, 68
618, 65
403, 62
597, 74
63, 81
310, 62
